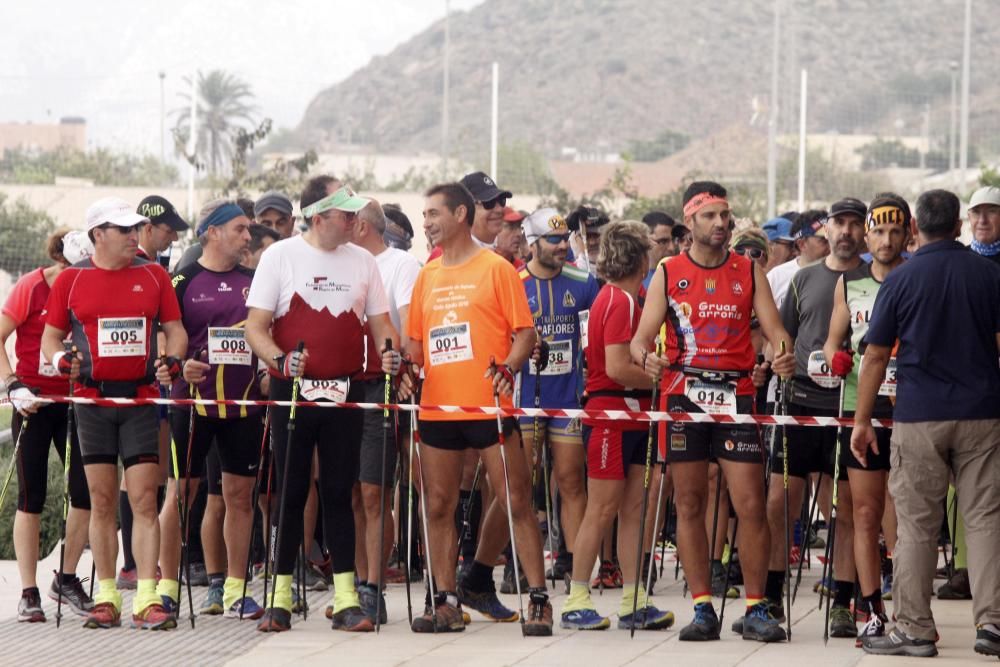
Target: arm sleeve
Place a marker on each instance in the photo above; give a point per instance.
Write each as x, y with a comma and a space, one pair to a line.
617, 323
790, 308
415, 322
266, 285
883, 329
19, 300
58, 301
376, 302
512, 298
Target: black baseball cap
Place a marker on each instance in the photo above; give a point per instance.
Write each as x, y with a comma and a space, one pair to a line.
848, 206
162, 212
483, 188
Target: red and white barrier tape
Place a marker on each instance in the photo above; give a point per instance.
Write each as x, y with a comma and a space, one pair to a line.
608, 415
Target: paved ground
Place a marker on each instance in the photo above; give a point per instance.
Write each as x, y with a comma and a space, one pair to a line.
218, 641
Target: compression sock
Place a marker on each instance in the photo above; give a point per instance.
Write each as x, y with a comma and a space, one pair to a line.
106, 592
628, 590
282, 593
169, 587
232, 589
145, 595
579, 597
345, 595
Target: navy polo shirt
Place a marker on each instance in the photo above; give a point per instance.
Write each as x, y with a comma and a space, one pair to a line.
944, 307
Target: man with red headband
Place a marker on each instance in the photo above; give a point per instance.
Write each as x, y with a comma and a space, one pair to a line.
705, 298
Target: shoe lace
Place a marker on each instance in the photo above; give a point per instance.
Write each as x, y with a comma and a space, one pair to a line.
703, 613
761, 611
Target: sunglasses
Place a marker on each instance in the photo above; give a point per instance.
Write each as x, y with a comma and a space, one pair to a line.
754, 253
555, 239
122, 230
491, 204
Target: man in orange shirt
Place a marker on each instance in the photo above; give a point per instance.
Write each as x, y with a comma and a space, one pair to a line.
469, 308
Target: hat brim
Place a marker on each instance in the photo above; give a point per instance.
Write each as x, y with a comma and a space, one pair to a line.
123, 220
176, 223
352, 204
490, 195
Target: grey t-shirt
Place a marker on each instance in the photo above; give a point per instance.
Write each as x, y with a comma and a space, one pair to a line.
806, 315
190, 256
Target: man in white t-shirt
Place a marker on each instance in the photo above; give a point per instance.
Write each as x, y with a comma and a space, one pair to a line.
308, 303
378, 447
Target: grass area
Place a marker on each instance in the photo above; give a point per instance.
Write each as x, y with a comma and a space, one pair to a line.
51, 525
5, 413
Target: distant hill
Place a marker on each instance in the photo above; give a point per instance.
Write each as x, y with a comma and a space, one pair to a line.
595, 75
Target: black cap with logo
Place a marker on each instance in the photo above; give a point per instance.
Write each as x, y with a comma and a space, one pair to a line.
162, 212
483, 188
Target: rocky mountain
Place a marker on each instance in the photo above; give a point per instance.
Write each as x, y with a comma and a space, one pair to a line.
596, 74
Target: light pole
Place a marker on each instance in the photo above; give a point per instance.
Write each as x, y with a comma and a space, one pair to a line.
772, 121
163, 120
953, 128
963, 148
444, 93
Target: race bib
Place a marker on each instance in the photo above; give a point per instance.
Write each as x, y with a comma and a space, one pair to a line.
121, 337
228, 346
450, 343
712, 398
45, 369
560, 359
819, 371
888, 386
334, 391
584, 316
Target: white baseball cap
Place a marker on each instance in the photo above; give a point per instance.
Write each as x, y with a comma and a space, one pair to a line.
543, 222
987, 195
113, 210
77, 247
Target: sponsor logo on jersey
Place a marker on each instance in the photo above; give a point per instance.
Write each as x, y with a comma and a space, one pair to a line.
325, 284
737, 289
137, 287
730, 445
727, 311
710, 285
686, 308
683, 284
203, 299
678, 443
223, 287
568, 300
246, 293
450, 317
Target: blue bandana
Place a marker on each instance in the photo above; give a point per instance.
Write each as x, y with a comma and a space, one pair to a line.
986, 249
219, 216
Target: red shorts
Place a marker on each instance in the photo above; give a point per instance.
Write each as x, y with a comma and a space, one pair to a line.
609, 450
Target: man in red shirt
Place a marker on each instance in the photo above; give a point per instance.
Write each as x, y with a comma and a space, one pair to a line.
112, 305
705, 298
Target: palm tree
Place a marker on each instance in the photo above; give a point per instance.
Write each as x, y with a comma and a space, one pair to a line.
224, 104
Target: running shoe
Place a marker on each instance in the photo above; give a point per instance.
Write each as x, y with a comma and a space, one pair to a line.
539, 621
507, 586
212, 606
584, 619
298, 605
170, 605
249, 608
72, 595
487, 604
647, 618
352, 619
559, 568
103, 615
127, 580
887, 586
704, 627
898, 642
842, 622
987, 641
444, 618
815, 541
394, 575
609, 575
874, 627
275, 619
154, 617
199, 575
759, 625
29, 607
956, 588
824, 586
776, 609
794, 555
370, 600
315, 578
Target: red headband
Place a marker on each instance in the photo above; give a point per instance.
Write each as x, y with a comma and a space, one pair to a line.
702, 200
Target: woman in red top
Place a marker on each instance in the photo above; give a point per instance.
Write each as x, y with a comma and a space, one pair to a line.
616, 450
43, 423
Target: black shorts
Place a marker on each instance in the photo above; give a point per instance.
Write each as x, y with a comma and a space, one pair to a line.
810, 448
107, 433
46, 427
213, 471
378, 444
876, 462
464, 434
238, 442
690, 441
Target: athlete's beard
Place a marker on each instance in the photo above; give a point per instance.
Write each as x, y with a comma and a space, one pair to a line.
547, 258
845, 248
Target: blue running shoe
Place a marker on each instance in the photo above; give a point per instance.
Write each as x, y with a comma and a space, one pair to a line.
486, 603
584, 619
169, 605
212, 606
704, 627
759, 625
647, 618
248, 606
887, 586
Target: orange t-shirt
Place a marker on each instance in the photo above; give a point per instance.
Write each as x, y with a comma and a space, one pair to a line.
463, 315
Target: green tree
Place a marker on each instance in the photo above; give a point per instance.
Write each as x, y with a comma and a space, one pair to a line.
23, 231
665, 144
285, 176
989, 177
102, 166
224, 105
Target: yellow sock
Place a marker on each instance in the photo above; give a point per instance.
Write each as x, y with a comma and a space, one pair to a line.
108, 592
752, 601
579, 597
145, 595
282, 593
701, 599
628, 590
169, 587
232, 590
345, 595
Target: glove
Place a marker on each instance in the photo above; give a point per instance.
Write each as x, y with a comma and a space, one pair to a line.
504, 371
174, 367
291, 364
842, 363
63, 362
541, 355
23, 399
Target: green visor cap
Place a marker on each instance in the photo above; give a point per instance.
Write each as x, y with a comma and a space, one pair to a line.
343, 199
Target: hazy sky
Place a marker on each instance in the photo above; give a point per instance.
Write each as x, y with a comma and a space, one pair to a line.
101, 59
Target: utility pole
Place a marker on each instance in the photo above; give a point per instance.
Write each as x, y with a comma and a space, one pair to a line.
772, 121
444, 94
963, 148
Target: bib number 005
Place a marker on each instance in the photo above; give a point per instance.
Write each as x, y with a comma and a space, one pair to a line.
121, 337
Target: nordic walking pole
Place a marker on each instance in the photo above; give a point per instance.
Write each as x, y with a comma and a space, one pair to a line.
248, 571
183, 506
540, 365
269, 533
808, 528
428, 566
783, 401
646, 473
296, 382
729, 568
666, 526
467, 510
833, 512
13, 460
65, 513
381, 497
412, 417
506, 485
656, 522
